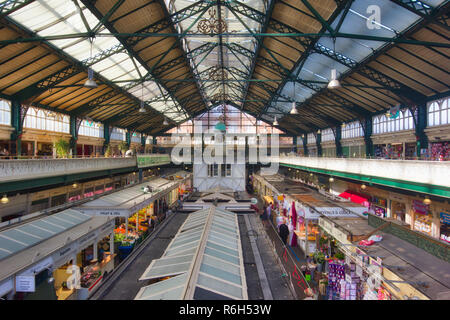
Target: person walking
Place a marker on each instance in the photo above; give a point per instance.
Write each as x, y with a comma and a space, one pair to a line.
264, 217
283, 232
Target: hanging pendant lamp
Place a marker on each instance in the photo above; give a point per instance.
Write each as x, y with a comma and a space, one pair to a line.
90, 82
165, 123
334, 82
275, 122
142, 109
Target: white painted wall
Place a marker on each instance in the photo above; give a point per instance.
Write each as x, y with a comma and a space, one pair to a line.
202, 182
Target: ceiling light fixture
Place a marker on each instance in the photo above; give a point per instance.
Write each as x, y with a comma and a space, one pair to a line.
427, 200
331, 179
294, 109
165, 123
142, 109
363, 186
334, 82
275, 122
90, 82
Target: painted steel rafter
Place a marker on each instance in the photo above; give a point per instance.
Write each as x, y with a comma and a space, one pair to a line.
423, 10
130, 42
9, 6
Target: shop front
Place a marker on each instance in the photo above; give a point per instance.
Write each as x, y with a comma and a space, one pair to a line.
378, 206
398, 211
423, 217
444, 232
350, 274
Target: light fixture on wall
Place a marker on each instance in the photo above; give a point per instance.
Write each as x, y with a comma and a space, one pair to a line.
427, 200
363, 186
334, 82
74, 185
310, 174
331, 179
4, 200
275, 122
90, 82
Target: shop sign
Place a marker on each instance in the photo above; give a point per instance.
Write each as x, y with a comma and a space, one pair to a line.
445, 217
25, 284
86, 239
38, 267
396, 197
106, 212
420, 207
62, 255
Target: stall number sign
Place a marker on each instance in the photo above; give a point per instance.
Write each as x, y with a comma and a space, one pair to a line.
445, 217
25, 284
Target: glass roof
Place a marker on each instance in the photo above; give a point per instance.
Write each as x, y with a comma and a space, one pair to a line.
62, 17
317, 67
220, 263
27, 235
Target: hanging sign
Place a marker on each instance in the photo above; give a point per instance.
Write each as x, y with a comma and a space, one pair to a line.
25, 284
420, 207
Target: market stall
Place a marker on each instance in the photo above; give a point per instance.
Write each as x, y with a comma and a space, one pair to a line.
136, 209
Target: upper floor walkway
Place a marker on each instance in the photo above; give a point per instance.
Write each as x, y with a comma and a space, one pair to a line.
431, 177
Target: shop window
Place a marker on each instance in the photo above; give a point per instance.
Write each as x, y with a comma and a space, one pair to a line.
5, 112
228, 169
439, 112
136, 137
41, 119
89, 192
58, 200
39, 205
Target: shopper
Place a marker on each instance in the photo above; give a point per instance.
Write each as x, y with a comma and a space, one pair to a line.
284, 232
264, 218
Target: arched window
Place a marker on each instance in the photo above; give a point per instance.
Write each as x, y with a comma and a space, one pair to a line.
41, 119
5, 112
91, 129
439, 112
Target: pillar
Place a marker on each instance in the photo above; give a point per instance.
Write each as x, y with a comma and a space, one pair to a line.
319, 144
337, 140
143, 141
95, 249
305, 143
106, 136
16, 123
154, 145
128, 138
111, 243
367, 126
294, 142
420, 117
74, 135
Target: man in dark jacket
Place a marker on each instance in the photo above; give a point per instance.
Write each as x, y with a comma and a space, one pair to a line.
283, 232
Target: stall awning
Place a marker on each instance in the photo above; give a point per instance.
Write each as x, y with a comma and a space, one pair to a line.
355, 197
